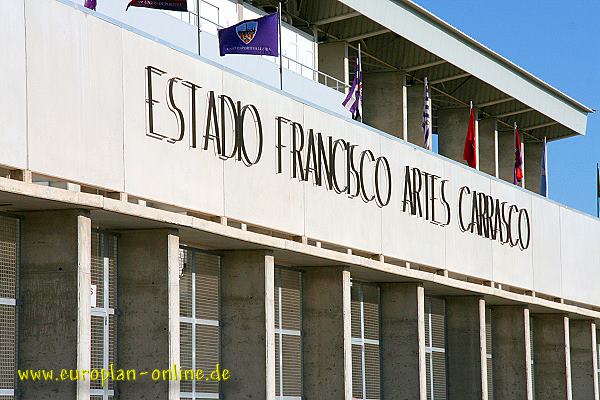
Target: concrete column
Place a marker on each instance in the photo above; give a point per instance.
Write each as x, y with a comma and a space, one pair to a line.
327, 340
551, 357
511, 353
403, 372
55, 319
148, 301
248, 333
452, 131
415, 100
384, 104
487, 145
533, 163
506, 155
333, 61
584, 361
466, 352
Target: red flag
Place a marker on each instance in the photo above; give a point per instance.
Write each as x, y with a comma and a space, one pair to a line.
518, 175
470, 152
173, 5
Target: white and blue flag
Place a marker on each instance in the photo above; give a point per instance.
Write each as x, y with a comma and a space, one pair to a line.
427, 117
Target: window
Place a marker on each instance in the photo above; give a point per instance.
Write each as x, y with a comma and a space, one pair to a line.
435, 348
288, 334
532, 363
9, 268
199, 298
103, 303
365, 341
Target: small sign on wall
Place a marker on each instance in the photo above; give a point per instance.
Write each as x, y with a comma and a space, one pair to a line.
93, 295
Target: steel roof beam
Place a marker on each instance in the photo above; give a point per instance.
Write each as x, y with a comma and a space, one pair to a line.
494, 102
336, 18
517, 112
450, 78
531, 128
366, 35
423, 66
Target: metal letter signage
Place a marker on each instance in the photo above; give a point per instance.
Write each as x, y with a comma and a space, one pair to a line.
337, 164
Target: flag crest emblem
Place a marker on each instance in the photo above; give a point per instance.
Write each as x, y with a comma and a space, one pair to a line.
247, 31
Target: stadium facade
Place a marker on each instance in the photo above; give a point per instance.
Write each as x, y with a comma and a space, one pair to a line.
164, 206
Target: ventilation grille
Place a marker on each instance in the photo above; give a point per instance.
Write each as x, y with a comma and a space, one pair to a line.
435, 347
103, 329
288, 333
199, 302
9, 265
365, 321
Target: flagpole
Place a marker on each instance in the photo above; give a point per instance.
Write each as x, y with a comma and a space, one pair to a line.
546, 166
359, 84
280, 50
597, 190
198, 23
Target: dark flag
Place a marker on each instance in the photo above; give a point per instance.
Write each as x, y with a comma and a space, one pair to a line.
255, 36
518, 172
91, 4
173, 5
470, 150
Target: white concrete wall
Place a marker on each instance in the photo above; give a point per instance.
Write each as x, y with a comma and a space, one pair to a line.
87, 123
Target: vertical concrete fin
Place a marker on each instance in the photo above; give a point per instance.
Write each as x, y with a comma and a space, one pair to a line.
84, 315
173, 301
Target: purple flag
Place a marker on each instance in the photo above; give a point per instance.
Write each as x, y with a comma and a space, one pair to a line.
91, 4
255, 36
173, 5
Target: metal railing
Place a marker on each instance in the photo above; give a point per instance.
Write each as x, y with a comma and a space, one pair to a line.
289, 63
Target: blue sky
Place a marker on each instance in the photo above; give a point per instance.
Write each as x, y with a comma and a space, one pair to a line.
558, 41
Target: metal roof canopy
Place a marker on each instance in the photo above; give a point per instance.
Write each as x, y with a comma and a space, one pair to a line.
399, 35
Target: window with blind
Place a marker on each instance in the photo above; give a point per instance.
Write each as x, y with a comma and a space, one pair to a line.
103, 303
366, 366
435, 348
488, 345
288, 334
9, 269
199, 304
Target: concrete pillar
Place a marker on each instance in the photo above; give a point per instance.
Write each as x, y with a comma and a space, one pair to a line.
333, 61
511, 353
551, 357
466, 352
327, 341
148, 302
584, 362
403, 372
248, 333
415, 100
487, 145
506, 155
533, 164
384, 104
453, 124
55, 319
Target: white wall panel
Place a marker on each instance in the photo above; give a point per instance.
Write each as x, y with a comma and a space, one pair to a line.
512, 264
580, 256
333, 217
466, 253
172, 173
13, 139
545, 245
406, 236
88, 122
257, 193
